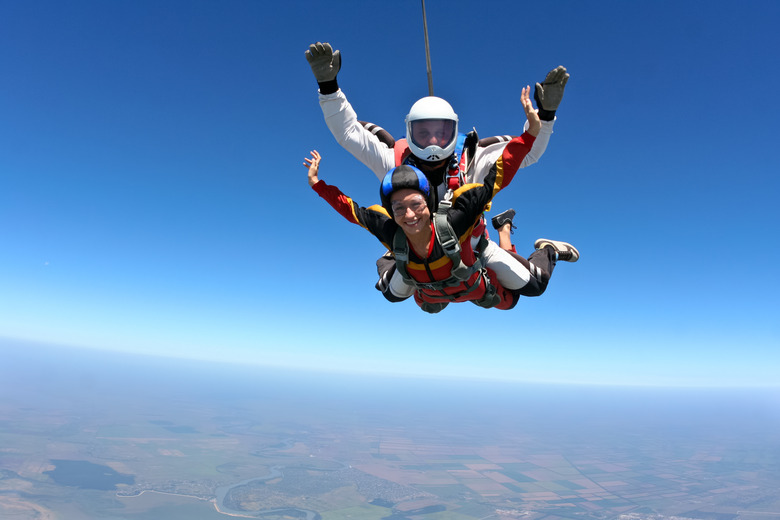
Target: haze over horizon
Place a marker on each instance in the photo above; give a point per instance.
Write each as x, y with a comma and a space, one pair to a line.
23, 361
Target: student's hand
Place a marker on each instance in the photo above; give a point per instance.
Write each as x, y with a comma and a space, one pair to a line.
325, 63
534, 124
313, 165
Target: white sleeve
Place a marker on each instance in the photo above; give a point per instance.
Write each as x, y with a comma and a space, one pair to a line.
486, 157
343, 123
540, 145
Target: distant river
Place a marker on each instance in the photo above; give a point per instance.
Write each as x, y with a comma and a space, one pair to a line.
274, 473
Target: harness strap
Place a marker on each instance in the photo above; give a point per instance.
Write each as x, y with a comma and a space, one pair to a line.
401, 254
449, 241
491, 297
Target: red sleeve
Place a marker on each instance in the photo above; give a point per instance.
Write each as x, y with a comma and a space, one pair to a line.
375, 218
470, 199
510, 160
340, 202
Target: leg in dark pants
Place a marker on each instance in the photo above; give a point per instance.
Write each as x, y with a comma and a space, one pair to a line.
541, 264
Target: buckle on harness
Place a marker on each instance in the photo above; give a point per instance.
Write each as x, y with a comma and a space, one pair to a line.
450, 244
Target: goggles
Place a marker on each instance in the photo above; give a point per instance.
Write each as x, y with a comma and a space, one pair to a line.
417, 205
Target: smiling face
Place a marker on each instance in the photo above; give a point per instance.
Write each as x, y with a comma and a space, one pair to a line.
410, 212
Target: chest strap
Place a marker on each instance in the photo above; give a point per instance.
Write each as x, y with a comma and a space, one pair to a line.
450, 243
460, 272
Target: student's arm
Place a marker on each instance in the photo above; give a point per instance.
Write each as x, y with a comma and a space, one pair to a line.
504, 169
374, 219
469, 201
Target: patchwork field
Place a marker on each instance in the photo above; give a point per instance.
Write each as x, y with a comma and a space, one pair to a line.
208, 448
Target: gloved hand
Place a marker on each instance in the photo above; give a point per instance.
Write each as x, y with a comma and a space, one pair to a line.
549, 93
325, 63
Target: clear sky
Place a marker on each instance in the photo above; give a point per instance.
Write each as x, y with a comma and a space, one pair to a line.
152, 197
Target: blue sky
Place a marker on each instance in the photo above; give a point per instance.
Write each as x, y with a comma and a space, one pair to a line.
152, 197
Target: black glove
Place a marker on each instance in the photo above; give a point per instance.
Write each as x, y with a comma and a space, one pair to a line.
325, 63
549, 93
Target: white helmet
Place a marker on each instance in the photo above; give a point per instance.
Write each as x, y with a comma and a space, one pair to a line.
427, 110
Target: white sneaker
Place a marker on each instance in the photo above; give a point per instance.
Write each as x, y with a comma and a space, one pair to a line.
566, 251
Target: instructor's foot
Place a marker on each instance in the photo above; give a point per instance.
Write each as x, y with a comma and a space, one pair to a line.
566, 251
504, 218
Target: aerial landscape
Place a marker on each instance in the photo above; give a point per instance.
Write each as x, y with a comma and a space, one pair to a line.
100, 436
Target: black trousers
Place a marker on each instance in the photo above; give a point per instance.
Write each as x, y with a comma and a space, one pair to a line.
541, 264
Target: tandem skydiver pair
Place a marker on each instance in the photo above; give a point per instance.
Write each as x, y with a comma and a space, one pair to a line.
449, 179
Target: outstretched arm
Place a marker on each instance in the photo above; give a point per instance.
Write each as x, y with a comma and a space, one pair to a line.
348, 208
548, 95
488, 153
375, 219
503, 170
469, 201
341, 119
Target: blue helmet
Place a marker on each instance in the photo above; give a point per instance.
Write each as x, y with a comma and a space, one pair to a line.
403, 177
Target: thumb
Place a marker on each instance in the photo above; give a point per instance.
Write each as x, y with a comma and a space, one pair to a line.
337, 60
538, 94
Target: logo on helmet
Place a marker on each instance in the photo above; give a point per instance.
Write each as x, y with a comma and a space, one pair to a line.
433, 158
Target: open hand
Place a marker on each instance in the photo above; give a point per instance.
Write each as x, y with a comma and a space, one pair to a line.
534, 124
313, 165
325, 63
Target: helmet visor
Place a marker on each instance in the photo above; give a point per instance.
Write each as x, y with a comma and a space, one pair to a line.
432, 132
